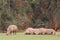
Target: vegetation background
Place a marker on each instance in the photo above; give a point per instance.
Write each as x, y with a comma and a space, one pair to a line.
30, 13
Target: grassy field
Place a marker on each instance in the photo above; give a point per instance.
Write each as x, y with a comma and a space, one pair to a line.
21, 36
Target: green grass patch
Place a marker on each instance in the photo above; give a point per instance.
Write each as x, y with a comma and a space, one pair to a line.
21, 36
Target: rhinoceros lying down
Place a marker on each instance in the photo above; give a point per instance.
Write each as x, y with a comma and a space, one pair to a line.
29, 31
37, 31
47, 31
50, 31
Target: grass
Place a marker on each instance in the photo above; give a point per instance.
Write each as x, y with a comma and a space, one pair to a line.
21, 36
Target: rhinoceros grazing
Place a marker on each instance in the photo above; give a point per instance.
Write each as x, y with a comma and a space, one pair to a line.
11, 29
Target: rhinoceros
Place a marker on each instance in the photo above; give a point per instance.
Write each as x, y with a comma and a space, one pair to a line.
12, 29
47, 31
29, 31
36, 31
42, 31
50, 31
